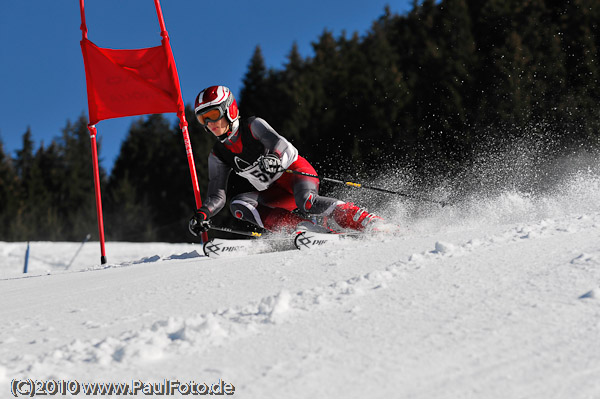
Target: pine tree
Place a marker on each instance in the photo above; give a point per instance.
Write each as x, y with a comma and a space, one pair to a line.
383, 109
578, 22
8, 191
48, 183
24, 159
77, 204
254, 94
150, 179
322, 81
296, 99
23, 218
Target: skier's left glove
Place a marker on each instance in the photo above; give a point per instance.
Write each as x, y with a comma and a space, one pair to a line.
270, 163
199, 223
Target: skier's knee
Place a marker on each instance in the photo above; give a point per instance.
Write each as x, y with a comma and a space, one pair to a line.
305, 201
245, 210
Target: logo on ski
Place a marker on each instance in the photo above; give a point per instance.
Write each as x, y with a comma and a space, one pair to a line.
211, 248
214, 249
302, 240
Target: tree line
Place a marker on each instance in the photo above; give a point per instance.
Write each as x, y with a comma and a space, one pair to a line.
429, 90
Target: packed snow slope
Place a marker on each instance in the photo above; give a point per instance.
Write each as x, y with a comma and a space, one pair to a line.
494, 296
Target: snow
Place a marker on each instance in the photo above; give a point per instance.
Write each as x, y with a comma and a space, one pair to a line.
496, 296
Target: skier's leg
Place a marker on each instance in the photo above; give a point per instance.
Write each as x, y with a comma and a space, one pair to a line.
308, 200
306, 190
245, 207
340, 215
259, 208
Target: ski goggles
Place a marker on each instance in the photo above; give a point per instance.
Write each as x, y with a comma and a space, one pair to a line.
212, 115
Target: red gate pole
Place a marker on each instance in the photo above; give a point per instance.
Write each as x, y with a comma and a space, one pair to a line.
93, 132
181, 112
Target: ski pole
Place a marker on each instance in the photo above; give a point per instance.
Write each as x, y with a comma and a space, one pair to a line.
240, 232
359, 185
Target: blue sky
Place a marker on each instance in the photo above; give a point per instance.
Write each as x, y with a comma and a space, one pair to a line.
41, 68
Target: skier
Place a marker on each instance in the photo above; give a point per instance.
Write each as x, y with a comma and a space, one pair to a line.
256, 152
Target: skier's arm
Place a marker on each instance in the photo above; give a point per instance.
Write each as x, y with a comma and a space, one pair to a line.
274, 143
216, 196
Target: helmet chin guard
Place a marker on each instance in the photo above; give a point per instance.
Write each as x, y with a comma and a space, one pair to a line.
233, 128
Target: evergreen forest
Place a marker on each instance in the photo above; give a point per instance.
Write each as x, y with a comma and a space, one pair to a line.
428, 91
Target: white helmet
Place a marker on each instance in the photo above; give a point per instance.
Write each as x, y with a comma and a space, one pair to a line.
217, 98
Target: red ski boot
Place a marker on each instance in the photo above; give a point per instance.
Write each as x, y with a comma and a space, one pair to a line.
350, 216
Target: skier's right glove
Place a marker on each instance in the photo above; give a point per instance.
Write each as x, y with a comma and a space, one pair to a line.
269, 163
199, 223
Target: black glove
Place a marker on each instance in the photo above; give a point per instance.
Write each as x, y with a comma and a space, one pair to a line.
199, 223
270, 163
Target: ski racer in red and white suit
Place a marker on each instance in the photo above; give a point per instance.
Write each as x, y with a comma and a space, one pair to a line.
256, 152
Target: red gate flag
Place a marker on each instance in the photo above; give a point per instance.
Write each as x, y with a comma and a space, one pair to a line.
132, 82
128, 82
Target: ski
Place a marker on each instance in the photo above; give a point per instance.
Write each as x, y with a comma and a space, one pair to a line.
302, 240
314, 239
310, 240
232, 248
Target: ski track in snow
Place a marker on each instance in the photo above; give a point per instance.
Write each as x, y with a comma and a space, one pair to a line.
197, 336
